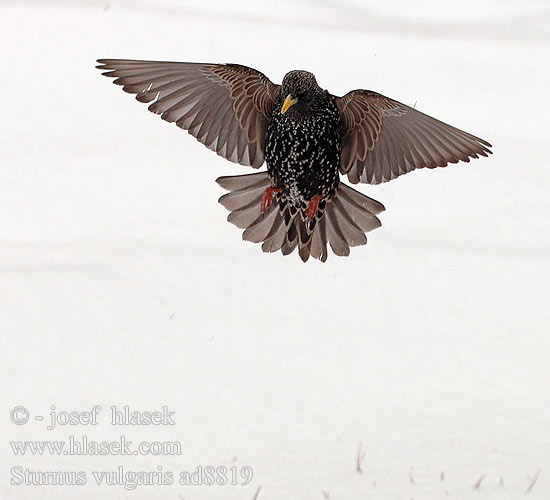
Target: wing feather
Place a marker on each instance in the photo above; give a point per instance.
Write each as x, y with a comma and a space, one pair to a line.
225, 106
383, 139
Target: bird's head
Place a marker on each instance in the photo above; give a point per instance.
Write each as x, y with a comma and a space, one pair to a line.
300, 94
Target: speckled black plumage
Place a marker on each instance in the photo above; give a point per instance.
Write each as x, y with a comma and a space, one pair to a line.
302, 147
308, 138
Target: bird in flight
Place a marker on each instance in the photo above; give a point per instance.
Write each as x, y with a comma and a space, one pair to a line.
308, 138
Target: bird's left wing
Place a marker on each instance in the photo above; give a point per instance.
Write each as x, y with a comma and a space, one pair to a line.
224, 106
383, 138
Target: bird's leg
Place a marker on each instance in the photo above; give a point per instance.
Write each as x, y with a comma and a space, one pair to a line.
267, 197
313, 206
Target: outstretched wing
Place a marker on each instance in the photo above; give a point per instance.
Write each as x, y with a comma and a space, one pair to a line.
383, 139
224, 106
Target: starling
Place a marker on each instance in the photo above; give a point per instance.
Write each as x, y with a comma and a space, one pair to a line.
307, 136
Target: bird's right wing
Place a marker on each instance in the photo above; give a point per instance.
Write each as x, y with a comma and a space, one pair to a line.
224, 106
383, 138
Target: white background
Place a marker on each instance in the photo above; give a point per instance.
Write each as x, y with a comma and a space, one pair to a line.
121, 283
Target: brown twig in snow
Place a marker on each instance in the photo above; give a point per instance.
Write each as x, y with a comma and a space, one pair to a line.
533, 481
478, 482
359, 458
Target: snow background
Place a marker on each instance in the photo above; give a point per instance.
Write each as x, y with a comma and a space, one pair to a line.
122, 283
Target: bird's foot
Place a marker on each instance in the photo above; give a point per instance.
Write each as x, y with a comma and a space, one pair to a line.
267, 197
313, 206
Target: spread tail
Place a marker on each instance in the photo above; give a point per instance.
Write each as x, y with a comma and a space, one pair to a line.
341, 222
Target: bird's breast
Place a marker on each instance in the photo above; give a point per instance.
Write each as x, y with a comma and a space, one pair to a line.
303, 156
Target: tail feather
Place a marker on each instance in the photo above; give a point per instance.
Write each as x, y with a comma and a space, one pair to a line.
245, 216
361, 211
233, 201
289, 247
353, 234
243, 182
318, 248
258, 231
292, 232
304, 251
276, 236
335, 237
341, 223
372, 206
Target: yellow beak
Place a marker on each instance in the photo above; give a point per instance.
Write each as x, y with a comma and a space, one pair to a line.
289, 101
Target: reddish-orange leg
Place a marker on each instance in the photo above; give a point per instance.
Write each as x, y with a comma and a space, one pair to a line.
267, 197
313, 206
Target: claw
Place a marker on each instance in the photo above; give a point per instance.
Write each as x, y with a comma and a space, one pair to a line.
313, 206
267, 198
